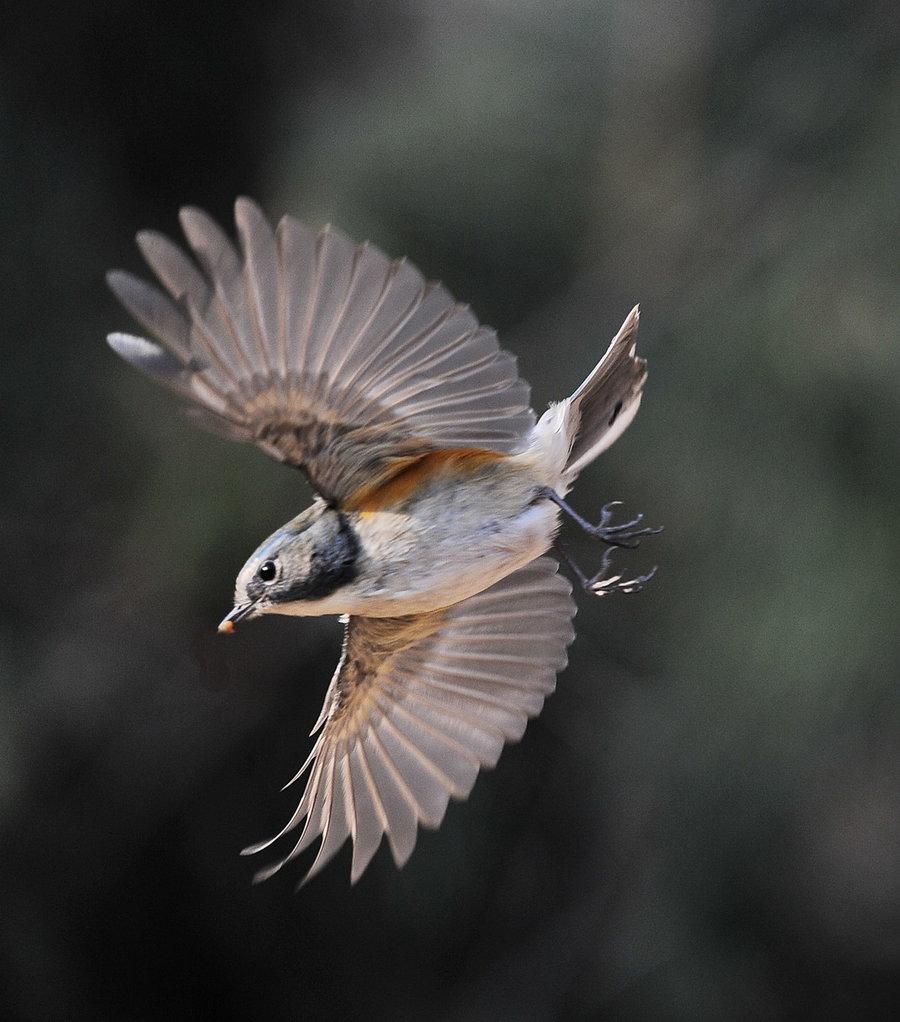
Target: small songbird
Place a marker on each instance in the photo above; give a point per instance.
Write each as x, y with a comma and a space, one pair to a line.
438, 495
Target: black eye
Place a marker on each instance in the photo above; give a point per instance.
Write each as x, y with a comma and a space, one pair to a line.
267, 571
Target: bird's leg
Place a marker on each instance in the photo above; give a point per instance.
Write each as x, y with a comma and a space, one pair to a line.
625, 535
602, 584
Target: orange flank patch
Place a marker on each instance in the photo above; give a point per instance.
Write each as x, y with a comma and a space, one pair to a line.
411, 474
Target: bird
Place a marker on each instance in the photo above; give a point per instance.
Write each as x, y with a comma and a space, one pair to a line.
438, 497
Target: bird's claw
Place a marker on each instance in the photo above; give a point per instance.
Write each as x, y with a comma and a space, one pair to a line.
603, 584
625, 535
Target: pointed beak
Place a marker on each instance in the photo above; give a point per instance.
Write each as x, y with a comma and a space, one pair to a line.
241, 611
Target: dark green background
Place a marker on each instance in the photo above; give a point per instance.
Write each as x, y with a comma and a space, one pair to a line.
704, 823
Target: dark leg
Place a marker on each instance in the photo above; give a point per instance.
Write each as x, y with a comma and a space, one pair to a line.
602, 584
625, 535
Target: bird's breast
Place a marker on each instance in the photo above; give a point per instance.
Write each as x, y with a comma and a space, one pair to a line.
448, 525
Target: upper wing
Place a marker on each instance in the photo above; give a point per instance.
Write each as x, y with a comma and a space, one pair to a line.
419, 704
326, 354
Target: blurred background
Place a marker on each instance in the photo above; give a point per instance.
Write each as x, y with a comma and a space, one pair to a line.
704, 823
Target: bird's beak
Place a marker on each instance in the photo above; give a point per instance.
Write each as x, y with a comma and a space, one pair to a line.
241, 611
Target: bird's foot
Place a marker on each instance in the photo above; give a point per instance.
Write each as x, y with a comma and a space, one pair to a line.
628, 534
607, 580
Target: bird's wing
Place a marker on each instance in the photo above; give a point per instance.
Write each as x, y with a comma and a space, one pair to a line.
419, 704
326, 354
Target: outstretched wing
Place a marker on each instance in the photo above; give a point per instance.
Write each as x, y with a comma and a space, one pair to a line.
326, 354
419, 704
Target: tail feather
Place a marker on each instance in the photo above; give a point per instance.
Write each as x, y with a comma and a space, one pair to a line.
602, 408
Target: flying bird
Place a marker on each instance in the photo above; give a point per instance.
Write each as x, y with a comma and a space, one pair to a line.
439, 494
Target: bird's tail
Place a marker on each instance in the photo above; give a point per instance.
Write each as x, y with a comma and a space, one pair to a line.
602, 408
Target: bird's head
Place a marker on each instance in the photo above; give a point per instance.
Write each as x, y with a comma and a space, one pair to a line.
304, 561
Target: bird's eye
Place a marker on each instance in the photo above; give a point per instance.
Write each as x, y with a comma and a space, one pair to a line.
267, 571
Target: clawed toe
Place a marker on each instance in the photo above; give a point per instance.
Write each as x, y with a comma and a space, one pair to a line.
606, 581
603, 585
627, 534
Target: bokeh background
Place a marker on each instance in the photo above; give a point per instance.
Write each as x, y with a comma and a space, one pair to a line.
704, 823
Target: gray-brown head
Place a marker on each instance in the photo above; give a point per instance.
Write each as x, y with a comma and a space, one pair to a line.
306, 560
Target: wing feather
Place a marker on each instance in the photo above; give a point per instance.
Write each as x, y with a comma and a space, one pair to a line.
400, 805
419, 705
176, 272
260, 276
370, 817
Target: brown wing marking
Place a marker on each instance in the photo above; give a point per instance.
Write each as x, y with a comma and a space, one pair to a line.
402, 477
